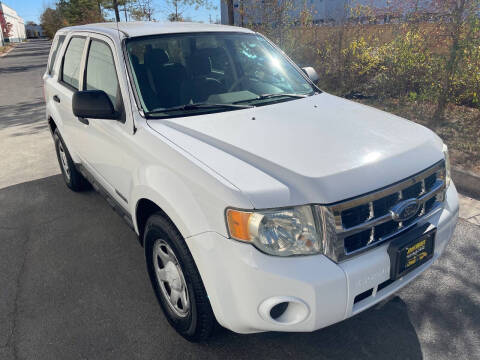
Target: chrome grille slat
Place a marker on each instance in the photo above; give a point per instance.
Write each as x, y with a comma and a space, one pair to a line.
435, 210
377, 221
398, 187
367, 221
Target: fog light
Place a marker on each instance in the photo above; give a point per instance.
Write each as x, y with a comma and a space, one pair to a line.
278, 310
284, 310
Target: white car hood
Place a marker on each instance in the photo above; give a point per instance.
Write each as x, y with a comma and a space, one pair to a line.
321, 149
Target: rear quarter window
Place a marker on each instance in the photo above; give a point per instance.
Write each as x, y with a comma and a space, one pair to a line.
56, 46
72, 60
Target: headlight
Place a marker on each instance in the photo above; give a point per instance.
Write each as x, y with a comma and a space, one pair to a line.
447, 165
282, 232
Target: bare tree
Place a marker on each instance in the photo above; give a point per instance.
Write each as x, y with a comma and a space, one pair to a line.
142, 10
456, 14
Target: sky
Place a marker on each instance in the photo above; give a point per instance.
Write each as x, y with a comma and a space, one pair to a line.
30, 10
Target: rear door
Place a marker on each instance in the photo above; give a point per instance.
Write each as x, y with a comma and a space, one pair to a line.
62, 86
51, 74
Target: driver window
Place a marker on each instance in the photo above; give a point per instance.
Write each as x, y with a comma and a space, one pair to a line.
101, 73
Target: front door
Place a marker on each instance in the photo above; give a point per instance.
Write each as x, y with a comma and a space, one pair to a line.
104, 141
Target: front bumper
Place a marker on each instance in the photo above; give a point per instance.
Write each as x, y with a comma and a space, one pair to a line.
243, 283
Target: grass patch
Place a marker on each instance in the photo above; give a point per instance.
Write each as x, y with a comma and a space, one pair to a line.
5, 48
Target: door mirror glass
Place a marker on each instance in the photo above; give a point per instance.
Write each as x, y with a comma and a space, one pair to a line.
311, 73
93, 104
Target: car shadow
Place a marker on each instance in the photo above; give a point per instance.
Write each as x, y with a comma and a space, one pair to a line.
30, 52
383, 332
75, 286
15, 69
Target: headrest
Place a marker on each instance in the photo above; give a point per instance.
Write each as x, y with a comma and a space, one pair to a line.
156, 57
200, 63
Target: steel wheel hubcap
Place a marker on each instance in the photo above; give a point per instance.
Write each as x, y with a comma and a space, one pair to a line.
170, 278
63, 161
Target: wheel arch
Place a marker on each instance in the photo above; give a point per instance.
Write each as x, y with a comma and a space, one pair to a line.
143, 210
51, 124
148, 201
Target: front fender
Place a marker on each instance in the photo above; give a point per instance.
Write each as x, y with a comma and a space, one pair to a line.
187, 227
194, 203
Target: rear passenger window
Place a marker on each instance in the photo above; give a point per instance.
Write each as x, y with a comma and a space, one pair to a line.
100, 73
71, 62
56, 46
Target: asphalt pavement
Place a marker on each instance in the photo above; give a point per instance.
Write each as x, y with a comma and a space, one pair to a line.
73, 283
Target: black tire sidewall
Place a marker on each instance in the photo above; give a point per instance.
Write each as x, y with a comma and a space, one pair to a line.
156, 230
76, 182
58, 139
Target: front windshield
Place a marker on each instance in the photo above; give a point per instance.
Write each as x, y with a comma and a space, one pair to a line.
220, 69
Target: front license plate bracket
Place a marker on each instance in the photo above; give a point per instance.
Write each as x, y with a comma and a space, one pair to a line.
411, 250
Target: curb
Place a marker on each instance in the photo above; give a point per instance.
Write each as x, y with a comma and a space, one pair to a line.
466, 182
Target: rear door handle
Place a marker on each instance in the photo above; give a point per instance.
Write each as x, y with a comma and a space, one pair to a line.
56, 98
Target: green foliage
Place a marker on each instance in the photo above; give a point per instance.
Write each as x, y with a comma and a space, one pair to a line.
406, 65
78, 12
51, 20
361, 62
70, 12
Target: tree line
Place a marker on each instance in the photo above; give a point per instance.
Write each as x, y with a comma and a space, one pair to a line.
409, 49
79, 12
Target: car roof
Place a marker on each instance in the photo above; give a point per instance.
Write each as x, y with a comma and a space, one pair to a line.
144, 28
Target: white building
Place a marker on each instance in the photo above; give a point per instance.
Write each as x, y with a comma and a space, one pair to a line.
34, 31
17, 32
322, 11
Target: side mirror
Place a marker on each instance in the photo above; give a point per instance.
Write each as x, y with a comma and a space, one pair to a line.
94, 104
311, 73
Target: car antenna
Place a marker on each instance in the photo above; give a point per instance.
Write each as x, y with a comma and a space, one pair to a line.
126, 71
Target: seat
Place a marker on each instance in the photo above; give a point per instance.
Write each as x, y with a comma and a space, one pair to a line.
154, 59
164, 77
202, 84
148, 94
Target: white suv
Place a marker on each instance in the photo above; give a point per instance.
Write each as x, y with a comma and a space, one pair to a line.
263, 203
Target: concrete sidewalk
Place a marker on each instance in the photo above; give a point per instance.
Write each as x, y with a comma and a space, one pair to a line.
469, 209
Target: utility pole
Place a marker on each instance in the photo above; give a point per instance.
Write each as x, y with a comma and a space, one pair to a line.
231, 19
241, 12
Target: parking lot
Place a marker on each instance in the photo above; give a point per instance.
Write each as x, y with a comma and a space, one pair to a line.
73, 283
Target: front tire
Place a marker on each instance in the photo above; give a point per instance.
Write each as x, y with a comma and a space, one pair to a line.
73, 178
176, 280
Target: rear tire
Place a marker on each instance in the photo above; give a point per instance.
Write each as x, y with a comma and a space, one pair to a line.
73, 178
176, 280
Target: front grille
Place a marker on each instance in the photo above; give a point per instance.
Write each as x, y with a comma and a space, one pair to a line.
367, 221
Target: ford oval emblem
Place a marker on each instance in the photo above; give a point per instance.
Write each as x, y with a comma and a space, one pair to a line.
405, 210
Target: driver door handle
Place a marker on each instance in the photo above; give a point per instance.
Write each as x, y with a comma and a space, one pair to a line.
56, 98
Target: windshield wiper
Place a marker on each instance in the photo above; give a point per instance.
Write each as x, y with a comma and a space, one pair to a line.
271, 96
196, 106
